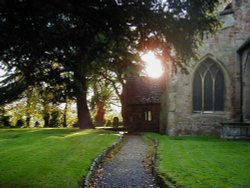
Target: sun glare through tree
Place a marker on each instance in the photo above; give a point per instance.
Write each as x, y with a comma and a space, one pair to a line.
153, 66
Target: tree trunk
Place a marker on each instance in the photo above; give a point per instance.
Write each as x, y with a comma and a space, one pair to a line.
65, 113
83, 114
28, 108
46, 118
123, 109
100, 113
28, 121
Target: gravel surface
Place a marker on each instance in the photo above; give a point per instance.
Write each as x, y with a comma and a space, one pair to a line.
126, 168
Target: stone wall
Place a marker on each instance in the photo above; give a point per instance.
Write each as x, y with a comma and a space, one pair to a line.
177, 107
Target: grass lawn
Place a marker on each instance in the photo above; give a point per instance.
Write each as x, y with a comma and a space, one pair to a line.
203, 161
48, 157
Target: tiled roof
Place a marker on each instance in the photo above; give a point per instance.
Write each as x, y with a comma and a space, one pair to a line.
143, 90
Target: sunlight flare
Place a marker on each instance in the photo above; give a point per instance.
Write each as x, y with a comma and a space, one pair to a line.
153, 66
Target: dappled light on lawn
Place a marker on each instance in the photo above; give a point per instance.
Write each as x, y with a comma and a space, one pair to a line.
49, 157
153, 66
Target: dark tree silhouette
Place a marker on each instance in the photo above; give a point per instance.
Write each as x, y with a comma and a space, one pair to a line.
60, 42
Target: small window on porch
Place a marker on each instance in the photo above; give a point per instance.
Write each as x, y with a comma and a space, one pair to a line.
148, 116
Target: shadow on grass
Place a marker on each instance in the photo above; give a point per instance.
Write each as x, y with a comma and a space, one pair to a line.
195, 138
43, 133
211, 139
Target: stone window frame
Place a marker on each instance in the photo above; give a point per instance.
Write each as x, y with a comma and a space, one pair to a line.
225, 80
245, 69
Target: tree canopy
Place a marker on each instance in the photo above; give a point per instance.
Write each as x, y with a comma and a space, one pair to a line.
62, 42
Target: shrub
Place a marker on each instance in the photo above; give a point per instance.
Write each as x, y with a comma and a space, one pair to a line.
5, 121
19, 123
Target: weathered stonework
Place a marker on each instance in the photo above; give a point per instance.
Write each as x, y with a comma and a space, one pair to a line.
177, 115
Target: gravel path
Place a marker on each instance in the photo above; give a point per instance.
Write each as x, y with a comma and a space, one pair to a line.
126, 168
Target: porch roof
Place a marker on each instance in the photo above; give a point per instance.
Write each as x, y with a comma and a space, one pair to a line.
143, 90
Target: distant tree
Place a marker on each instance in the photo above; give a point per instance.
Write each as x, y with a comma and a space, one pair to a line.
30, 105
125, 62
65, 109
19, 123
55, 116
102, 95
68, 114
5, 121
37, 104
25, 108
37, 124
57, 42
48, 98
2, 112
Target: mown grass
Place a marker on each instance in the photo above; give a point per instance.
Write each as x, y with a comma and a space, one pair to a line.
203, 161
48, 157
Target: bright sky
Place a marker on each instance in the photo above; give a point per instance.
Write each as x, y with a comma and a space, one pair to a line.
1, 72
153, 66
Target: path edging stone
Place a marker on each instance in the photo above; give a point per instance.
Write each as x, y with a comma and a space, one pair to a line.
98, 159
161, 182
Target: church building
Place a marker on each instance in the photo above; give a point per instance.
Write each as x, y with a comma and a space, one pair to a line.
216, 89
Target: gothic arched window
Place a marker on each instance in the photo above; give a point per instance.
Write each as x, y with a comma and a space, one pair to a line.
208, 87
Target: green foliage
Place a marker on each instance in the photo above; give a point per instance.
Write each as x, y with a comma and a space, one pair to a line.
61, 42
55, 119
12, 80
108, 123
5, 121
203, 161
19, 123
37, 124
49, 157
36, 107
102, 97
71, 114
52, 35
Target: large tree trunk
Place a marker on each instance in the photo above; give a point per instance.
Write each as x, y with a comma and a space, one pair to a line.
83, 114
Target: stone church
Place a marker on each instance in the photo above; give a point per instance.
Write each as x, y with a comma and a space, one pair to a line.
217, 88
